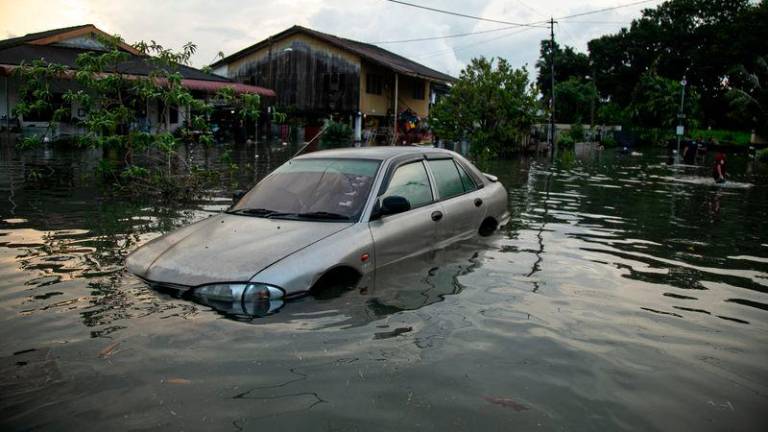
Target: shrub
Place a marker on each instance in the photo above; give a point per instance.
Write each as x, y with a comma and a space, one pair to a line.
724, 136
577, 132
336, 135
565, 140
609, 140
762, 155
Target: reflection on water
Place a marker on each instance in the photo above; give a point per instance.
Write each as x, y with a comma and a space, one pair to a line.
624, 294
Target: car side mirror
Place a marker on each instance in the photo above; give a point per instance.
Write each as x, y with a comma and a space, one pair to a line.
394, 205
237, 196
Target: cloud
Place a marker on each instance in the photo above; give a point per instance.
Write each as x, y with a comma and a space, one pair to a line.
230, 25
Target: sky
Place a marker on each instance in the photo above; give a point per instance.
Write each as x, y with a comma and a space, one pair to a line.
230, 25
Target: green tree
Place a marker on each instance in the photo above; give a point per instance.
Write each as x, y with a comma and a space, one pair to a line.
568, 64
492, 105
701, 40
114, 101
656, 102
576, 98
336, 135
749, 99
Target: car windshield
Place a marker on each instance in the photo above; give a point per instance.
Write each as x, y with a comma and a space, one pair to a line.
332, 189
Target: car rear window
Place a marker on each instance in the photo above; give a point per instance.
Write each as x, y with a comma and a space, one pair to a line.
447, 179
466, 180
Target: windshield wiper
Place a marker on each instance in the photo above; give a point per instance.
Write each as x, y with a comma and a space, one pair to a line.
259, 212
322, 215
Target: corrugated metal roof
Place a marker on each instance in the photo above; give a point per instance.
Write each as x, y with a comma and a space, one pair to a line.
367, 51
191, 84
39, 35
67, 56
14, 51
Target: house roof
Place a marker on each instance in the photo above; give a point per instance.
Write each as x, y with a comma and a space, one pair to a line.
367, 51
41, 46
66, 56
56, 35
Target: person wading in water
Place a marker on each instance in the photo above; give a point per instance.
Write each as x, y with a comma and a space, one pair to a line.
718, 169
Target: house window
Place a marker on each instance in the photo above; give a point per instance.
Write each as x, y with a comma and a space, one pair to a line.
418, 90
373, 84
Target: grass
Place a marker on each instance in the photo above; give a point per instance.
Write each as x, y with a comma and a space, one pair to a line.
723, 136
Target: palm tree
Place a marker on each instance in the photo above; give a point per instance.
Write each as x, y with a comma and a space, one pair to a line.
750, 99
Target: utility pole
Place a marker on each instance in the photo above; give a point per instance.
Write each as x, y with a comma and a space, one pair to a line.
394, 125
681, 116
552, 99
271, 78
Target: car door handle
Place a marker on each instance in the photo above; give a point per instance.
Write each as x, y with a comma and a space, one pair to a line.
478, 202
437, 215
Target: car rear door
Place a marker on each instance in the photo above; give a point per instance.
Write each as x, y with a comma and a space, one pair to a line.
461, 199
411, 233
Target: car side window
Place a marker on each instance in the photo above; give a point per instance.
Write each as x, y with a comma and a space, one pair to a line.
466, 180
410, 181
447, 179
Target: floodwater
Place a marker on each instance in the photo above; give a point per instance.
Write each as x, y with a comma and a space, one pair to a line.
625, 294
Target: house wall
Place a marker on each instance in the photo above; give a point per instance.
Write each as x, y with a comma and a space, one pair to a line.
406, 96
379, 105
373, 104
309, 75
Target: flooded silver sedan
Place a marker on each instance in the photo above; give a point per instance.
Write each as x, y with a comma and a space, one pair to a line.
325, 216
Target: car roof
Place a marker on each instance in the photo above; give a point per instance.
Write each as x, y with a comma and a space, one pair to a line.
377, 153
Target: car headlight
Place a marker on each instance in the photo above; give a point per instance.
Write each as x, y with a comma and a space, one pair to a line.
239, 292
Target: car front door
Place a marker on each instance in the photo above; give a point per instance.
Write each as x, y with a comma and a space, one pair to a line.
413, 232
463, 205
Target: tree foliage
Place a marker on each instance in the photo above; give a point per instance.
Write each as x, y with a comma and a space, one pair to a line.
336, 135
701, 40
115, 103
749, 99
491, 105
656, 102
568, 64
575, 99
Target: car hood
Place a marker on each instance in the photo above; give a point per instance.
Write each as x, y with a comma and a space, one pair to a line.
225, 248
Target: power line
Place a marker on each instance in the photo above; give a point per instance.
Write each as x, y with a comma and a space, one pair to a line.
530, 26
460, 14
537, 24
608, 9
444, 37
462, 47
597, 22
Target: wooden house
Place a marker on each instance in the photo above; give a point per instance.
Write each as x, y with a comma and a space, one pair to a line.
317, 75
